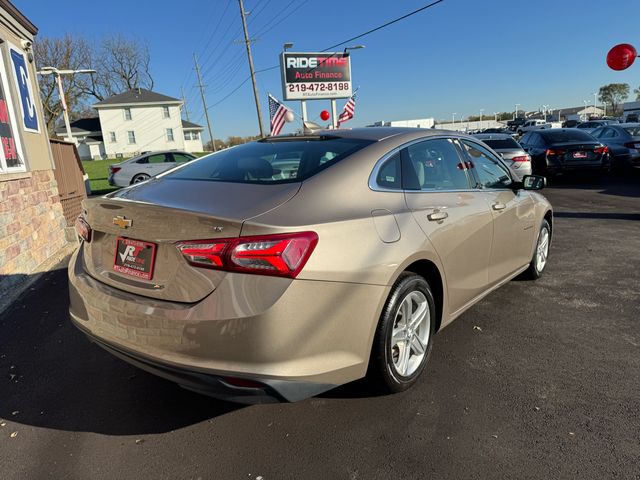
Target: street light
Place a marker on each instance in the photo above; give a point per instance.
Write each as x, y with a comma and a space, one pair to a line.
287, 46
496, 116
355, 47
481, 110
595, 100
453, 115
515, 114
57, 73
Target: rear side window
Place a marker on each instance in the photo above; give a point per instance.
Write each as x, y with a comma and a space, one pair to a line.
268, 162
389, 175
433, 165
633, 131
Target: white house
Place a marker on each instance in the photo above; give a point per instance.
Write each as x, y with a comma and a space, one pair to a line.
133, 122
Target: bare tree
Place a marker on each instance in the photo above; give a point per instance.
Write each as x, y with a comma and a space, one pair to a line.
121, 64
67, 52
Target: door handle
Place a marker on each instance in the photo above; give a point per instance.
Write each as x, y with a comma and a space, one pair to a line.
437, 216
498, 206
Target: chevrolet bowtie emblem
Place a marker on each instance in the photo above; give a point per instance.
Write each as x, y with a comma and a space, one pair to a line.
122, 222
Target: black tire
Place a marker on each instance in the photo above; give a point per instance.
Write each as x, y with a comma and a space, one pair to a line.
533, 272
382, 371
141, 177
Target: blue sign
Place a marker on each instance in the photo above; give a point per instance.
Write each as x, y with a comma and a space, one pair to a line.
27, 101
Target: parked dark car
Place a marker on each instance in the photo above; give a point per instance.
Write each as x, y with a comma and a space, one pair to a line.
570, 123
515, 123
591, 125
562, 150
623, 141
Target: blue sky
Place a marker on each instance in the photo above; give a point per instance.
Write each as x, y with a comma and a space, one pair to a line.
460, 56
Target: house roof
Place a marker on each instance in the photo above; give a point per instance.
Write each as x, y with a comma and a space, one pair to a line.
94, 139
18, 16
136, 96
90, 124
187, 125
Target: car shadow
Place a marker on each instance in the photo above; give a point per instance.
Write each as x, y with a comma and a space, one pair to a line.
52, 376
625, 184
598, 215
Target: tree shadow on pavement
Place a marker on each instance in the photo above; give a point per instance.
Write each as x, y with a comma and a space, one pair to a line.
51, 376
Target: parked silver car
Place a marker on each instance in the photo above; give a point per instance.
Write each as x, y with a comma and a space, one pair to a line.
510, 151
141, 168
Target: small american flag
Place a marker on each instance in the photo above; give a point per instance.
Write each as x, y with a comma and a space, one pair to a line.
348, 111
276, 113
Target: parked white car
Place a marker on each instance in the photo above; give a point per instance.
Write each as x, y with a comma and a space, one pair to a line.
142, 168
531, 125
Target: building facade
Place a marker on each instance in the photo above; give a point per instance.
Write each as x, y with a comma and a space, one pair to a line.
131, 123
32, 226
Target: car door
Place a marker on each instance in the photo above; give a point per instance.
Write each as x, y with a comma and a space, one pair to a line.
536, 148
454, 216
513, 212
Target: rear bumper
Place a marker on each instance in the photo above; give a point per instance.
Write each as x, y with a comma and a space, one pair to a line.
307, 339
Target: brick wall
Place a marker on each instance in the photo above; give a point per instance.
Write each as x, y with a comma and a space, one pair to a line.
31, 225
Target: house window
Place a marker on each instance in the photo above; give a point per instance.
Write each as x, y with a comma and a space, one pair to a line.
165, 112
169, 134
127, 114
112, 137
195, 135
187, 135
132, 137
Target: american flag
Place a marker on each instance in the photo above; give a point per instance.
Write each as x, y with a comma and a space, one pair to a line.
348, 111
276, 113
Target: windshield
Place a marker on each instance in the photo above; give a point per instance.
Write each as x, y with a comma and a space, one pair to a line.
271, 161
567, 136
502, 144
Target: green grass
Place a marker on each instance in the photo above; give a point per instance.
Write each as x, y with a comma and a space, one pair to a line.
98, 171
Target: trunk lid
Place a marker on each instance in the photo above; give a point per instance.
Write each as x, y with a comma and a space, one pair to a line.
578, 152
165, 211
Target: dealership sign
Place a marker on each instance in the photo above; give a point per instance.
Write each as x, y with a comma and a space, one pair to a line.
27, 98
315, 76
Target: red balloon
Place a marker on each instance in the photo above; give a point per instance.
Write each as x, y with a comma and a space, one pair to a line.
324, 115
621, 56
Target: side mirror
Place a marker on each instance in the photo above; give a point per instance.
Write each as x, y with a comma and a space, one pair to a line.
534, 182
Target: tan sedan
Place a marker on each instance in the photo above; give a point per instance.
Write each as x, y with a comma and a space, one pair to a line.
282, 268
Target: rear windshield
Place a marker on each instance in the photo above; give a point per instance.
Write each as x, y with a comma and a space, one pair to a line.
502, 143
633, 131
562, 136
269, 162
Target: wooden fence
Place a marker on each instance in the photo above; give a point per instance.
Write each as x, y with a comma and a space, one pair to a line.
69, 175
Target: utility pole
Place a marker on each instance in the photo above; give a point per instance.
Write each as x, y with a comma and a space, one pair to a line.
184, 102
247, 42
204, 103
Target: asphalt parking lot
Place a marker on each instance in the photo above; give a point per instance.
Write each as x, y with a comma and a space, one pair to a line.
539, 380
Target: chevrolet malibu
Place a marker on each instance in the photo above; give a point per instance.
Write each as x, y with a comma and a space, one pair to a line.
279, 269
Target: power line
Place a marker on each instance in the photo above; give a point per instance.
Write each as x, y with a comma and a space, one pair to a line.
368, 32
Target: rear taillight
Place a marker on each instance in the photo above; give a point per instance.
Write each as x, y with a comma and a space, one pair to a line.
113, 169
83, 229
632, 145
281, 255
601, 150
552, 151
522, 158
